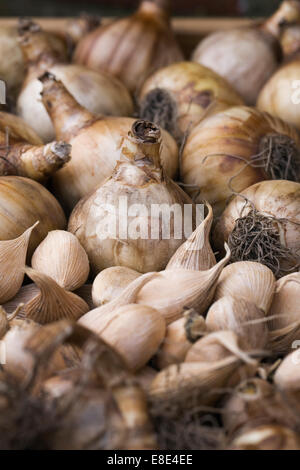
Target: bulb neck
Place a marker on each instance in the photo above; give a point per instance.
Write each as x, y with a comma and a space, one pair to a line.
142, 145
159, 8
287, 13
67, 116
36, 47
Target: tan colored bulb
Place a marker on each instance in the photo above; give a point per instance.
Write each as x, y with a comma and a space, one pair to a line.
131, 48
285, 306
61, 257
52, 303
171, 291
287, 376
94, 318
243, 318
110, 283
235, 149
245, 279
4, 323
12, 264
179, 96
120, 223
135, 332
25, 294
99, 92
262, 224
24, 202
196, 253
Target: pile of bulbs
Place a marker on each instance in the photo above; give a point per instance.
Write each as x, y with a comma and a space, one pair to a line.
114, 343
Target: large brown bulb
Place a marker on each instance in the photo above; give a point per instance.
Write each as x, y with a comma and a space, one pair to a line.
24, 202
108, 223
133, 47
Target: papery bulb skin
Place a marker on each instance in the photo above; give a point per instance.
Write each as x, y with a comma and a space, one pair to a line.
138, 179
235, 149
101, 93
179, 96
96, 143
132, 48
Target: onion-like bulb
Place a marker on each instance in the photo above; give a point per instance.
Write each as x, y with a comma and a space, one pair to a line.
235, 149
263, 224
247, 57
280, 95
24, 202
12, 67
97, 91
133, 47
138, 179
177, 97
96, 143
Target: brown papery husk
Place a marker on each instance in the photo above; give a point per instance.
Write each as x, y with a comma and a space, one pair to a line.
234, 149
262, 224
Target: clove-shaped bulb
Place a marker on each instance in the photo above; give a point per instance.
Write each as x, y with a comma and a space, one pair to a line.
111, 282
12, 263
196, 253
52, 303
61, 257
173, 290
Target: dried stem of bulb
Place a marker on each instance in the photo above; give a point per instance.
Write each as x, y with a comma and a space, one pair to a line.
12, 264
35, 162
61, 257
196, 253
52, 303
287, 13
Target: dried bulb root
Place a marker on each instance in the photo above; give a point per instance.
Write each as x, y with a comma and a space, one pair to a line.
280, 157
256, 237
